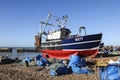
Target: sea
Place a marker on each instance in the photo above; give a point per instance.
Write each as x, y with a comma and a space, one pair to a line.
21, 55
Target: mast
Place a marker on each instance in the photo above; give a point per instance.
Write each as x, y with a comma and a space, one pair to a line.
60, 21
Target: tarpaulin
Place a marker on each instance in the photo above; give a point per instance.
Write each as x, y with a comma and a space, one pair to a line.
41, 61
77, 65
110, 72
80, 70
76, 60
27, 59
58, 69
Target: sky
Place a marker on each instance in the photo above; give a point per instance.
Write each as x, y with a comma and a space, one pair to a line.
19, 19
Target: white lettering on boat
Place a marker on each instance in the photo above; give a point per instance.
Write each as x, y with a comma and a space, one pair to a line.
79, 39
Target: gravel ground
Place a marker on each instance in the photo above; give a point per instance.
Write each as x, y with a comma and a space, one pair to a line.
16, 71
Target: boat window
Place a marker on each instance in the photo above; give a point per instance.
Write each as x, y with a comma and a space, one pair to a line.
65, 34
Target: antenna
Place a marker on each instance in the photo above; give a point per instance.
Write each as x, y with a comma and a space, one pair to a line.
65, 19
59, 22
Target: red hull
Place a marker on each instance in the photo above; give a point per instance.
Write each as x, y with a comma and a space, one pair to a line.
61, 54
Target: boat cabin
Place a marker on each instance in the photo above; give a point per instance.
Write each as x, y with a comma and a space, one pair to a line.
62, 33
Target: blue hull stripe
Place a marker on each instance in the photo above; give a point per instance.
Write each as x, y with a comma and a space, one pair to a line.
71, 44
82, 46
77, 43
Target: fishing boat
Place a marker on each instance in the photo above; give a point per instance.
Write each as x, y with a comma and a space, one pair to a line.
59, 43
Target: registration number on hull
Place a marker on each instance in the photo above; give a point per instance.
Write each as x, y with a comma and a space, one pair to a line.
79, 39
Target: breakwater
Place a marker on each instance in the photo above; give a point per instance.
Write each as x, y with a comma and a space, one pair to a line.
17, 49
5, 49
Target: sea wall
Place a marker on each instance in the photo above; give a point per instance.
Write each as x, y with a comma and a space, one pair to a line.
17, 49
25, 50
5, 49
